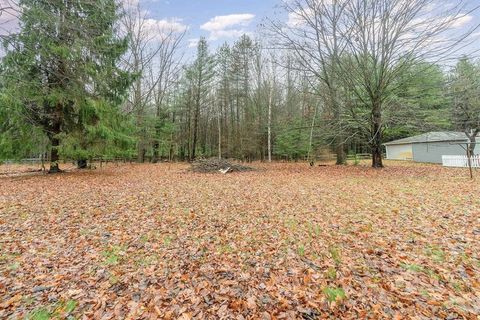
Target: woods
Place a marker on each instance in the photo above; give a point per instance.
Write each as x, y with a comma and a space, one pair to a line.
102, 80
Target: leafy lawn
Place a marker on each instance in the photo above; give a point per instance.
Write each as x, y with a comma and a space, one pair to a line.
285, 242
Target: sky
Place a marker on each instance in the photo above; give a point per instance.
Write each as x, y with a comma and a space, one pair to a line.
216, 20
222, 21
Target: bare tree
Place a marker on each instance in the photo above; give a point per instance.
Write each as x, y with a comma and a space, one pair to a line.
365, 45
154, 58
315, 33
384, 38
465, 91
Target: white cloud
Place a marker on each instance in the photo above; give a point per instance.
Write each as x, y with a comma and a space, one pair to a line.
297, 18
227, 26
192, 43
461, 21
165, 25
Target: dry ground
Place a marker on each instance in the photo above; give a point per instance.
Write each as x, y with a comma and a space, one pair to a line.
284, 242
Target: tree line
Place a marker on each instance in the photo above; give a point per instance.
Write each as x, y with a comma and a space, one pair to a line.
93, 79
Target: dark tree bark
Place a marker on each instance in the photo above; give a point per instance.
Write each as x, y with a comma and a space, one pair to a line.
82, 163
54, 157
376, 139
53, 132
156, 146
340, 151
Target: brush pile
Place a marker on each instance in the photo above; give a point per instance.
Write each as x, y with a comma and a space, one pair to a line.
214, 165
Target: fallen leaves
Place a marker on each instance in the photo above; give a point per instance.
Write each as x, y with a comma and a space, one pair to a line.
284, 242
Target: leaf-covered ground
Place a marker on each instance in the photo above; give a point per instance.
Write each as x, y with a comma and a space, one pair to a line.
283, 242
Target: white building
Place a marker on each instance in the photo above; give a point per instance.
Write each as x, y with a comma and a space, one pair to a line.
428, 147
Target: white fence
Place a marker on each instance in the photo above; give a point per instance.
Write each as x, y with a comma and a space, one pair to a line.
461, 161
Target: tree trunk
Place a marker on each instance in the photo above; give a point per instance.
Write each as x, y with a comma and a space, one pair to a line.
82, 164
54, 131
376, 140
141, 153
156, 145
270, 94
195, 131
54, 157
219, 124
340, 150
472, 136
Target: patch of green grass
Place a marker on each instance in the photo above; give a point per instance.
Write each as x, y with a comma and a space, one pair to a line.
436, 253
167, 240
314, 230
39, 314
418, 268
424, 293
144, 238
225, 249
60, 310
412, 267
331, 273
13, 266
70, 306
301, 250
334, 294
112, 255
459, 286
335, 255
433, 274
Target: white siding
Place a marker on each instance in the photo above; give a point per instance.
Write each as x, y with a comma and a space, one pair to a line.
399, 152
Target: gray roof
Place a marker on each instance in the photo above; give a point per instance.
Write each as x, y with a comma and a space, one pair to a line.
431, 137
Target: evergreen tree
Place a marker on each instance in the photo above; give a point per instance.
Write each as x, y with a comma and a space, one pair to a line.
61, 77
200, 75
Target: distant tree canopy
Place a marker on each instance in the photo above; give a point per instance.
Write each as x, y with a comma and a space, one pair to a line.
86, 79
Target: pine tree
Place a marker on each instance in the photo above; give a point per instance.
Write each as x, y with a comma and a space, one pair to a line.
200, 76
61, 76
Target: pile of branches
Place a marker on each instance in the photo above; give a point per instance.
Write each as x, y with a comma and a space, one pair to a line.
215, 165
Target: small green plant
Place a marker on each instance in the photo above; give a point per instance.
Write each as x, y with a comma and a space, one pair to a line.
39, 314
144, 238
167, 240
334, 294
225, 249
301, 250
70, 306
335, 254
436, 253
14, 266
331, 273
424, 293
112, 255
60, 310
412, 267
